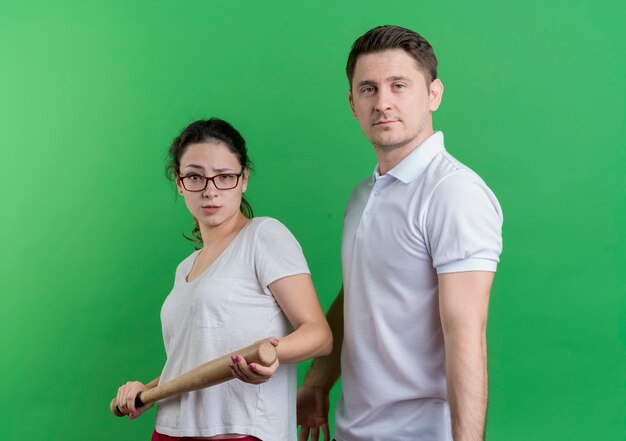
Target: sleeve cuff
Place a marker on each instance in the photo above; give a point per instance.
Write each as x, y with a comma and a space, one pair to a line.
275, 277
473, 264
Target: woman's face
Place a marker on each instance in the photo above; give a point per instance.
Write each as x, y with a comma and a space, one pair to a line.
212, 206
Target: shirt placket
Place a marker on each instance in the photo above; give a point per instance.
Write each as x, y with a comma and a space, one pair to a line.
373, 201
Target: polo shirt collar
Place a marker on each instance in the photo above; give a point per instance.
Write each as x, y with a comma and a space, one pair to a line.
416, 162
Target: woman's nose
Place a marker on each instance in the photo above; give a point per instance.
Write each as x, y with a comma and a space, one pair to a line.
210, 189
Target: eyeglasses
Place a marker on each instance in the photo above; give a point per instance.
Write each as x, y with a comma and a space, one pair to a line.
223, 181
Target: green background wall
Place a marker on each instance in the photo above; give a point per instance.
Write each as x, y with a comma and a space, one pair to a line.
91, 93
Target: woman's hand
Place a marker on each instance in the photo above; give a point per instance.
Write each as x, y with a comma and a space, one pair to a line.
126, 395
253, 373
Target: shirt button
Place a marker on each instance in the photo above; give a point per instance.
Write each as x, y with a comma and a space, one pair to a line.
377, 193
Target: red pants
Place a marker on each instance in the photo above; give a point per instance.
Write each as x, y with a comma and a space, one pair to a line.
156, 436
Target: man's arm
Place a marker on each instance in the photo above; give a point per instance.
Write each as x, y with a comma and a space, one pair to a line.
463, 305
313, 401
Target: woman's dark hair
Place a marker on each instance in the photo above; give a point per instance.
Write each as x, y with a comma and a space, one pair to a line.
208, 130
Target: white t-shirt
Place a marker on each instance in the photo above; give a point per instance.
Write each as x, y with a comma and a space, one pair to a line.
427, 216
227, 307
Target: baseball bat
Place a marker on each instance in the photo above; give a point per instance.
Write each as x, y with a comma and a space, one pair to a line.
208, 374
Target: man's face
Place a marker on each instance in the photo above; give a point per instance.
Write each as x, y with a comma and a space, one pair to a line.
392, 100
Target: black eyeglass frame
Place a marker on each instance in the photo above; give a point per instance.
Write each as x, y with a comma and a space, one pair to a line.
207, 179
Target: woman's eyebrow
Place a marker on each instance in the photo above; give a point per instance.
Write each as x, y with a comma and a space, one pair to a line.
194, 166
221, 170
215, 170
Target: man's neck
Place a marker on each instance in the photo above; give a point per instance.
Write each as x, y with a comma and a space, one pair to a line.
389, 157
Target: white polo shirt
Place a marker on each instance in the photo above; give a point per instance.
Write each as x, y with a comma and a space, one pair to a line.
427, 216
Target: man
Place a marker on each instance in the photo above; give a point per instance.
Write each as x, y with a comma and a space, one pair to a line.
421, 241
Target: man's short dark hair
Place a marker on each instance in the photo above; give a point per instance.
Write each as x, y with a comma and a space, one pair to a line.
384, 38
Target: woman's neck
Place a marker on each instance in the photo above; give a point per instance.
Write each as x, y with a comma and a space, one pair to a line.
216, 234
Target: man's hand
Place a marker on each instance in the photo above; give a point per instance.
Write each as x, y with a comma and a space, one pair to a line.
313, 406
313, 402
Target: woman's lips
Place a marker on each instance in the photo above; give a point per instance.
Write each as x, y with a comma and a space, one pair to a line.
210, 208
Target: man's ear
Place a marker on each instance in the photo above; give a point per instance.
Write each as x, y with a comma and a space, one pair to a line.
436, 94
351, 101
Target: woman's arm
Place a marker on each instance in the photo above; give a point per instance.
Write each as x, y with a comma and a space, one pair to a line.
310, 338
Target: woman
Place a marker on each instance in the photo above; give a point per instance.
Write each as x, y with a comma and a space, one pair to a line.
247, 281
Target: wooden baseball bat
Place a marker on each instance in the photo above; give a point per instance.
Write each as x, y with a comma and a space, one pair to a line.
208, 374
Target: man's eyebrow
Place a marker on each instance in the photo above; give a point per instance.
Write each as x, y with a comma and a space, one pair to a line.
366, 83
397, 78
388, 79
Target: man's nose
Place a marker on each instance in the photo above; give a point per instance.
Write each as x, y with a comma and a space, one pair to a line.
383, 101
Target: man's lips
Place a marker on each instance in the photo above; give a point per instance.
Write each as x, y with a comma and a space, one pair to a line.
385, 122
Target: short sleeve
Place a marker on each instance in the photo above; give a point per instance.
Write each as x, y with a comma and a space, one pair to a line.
277, 254
464, 225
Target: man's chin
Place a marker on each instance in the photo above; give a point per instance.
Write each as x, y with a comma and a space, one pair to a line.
389, 144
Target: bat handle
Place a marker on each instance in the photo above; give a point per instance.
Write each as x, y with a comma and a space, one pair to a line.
138, 402
116, 410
